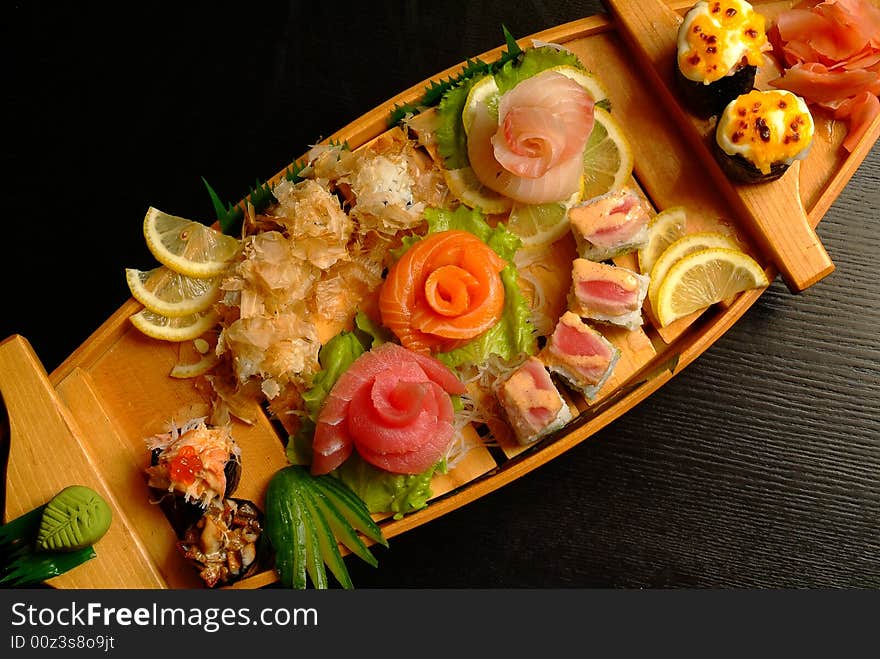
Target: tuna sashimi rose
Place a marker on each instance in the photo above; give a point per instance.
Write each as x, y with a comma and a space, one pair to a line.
533, 151
392, 405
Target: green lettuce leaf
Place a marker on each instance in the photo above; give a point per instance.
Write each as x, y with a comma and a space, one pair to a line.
383, 491
334, 357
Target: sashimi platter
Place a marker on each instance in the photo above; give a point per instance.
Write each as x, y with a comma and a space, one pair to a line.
447, 293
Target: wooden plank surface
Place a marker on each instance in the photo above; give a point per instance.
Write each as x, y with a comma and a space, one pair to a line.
624, 504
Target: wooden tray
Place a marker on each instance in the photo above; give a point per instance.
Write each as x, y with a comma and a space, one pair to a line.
92, 413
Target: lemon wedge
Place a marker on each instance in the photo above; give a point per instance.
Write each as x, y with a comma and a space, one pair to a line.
703, 278
169, 293
467, 188
166, 328
664, 229
692, 242
608, 157
484, 91
188, 247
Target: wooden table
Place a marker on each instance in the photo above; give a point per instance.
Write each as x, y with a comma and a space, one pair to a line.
757, 466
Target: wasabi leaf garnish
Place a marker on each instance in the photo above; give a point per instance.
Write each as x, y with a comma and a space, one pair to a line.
74, 519
53, 538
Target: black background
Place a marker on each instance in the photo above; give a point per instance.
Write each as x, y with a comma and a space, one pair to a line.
755, 467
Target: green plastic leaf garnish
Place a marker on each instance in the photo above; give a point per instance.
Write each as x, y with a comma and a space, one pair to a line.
472, 68
259, 195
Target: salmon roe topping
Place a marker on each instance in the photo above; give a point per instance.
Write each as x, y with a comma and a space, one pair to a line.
185, 466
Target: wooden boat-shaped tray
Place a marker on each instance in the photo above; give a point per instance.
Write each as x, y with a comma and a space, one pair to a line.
92, 415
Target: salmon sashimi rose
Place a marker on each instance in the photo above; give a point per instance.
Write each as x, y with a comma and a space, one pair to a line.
393, 406
444, 291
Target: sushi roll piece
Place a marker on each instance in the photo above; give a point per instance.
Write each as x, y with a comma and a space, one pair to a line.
225, 544
760, 134
609, 225
607, 293
196, 463
581, 355
720, 45
532, 403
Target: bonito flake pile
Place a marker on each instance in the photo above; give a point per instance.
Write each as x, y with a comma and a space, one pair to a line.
312, 259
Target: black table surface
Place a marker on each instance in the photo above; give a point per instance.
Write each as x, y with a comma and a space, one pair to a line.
756, 467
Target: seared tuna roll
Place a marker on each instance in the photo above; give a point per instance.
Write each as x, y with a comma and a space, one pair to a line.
609, 225
607, 293
532, 403
721, 44
760, 134
580, 354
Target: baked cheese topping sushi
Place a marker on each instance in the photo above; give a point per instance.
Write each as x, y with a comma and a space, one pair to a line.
609, 225
760, 134
607, 293
581, 355
532, 403
720, 45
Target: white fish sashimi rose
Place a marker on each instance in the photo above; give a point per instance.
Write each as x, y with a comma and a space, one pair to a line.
533, 151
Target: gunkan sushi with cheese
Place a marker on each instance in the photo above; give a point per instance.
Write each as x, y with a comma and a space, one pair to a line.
580, 354
531, 402
760, 134
720, 45
607, 293
609, 225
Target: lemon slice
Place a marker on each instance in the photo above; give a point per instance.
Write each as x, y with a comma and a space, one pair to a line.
664, 229
685, 245
169, 293
608, 157
692, 242
467, 188
188, 247
703, 278
183, 328
484, 91
587, 80
538, 224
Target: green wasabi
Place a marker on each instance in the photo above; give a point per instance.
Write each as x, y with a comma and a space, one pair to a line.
74, 519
